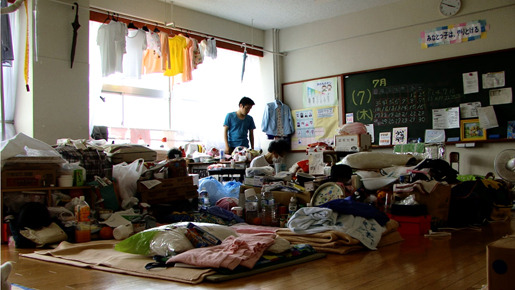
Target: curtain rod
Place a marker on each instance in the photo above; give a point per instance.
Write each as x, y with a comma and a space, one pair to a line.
163, 25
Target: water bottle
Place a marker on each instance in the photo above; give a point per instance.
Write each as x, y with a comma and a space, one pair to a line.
83, 226
267, 207
251, 209
292, 206
203, 199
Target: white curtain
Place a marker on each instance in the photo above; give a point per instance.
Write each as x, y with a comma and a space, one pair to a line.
10, 75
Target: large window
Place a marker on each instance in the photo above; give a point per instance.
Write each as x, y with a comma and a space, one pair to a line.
146, 110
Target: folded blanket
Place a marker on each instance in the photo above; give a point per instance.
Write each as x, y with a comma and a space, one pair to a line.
334, 241
244, 250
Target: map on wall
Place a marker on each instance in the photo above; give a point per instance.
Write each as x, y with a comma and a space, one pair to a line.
314, 125
320, 93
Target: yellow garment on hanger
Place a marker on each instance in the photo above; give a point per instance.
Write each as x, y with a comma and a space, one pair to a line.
176, 44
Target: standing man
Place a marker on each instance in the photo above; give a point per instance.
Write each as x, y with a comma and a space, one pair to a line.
239, 127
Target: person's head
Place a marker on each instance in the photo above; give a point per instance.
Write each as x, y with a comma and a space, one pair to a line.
278, 148
174, 153
245, 105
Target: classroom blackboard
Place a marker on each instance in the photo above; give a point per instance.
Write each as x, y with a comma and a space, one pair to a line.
404, 96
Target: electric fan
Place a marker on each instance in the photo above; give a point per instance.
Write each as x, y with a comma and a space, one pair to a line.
504, 165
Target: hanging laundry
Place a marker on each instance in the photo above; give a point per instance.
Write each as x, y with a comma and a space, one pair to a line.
197, 56
152, 55
136, 43
165, 50
203, 48
177, 44
277, 119
186, 73
111, 40
211, 48
243, 66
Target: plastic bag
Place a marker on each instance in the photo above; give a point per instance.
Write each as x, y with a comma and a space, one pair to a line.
214, 188
170, 238
232, 189
127, 176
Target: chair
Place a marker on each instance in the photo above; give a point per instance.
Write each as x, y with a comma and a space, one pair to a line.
454, 158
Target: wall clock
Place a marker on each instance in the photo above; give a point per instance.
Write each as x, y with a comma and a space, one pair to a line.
449, 7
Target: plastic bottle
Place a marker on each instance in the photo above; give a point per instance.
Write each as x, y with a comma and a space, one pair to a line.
251, 209
203, 199
292, 206
83, 226
267, 207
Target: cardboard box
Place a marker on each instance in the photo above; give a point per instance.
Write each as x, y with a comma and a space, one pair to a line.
352, 143
282, 197
170, 189
412, 225
28, 178
437, 202
500, 258
29, 174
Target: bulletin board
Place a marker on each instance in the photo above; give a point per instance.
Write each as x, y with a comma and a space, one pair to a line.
316, 108
405, 96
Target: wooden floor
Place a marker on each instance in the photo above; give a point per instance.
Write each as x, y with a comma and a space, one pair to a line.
455, 262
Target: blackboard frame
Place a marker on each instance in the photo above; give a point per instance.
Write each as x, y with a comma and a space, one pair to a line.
482, 63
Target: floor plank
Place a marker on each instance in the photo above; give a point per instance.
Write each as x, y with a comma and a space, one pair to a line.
455, 262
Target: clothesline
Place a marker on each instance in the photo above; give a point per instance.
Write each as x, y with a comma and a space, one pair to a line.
174, 28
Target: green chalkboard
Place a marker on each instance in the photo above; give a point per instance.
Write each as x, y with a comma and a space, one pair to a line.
404, 96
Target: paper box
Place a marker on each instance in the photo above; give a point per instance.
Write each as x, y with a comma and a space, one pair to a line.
500, 258
437, 203
29, 174
170, 189
352, 143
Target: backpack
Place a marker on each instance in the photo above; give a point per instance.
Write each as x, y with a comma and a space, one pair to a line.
32, 215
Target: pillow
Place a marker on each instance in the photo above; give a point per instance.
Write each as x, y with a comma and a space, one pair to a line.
47, 235
280, 245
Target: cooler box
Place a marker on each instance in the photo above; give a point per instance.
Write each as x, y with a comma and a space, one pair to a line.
412, 225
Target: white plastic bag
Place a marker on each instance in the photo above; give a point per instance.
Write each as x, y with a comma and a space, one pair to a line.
127, 176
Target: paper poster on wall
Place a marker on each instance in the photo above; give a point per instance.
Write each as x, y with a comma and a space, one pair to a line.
316, 163
493, 80
400, 135
487, 117
314, 125
469, 110
320, 93
446, 118
349, 118
501, 96
454, 33
470, 83
370, 130
384, 138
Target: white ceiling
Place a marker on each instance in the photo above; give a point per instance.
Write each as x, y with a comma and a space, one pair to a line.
268, 14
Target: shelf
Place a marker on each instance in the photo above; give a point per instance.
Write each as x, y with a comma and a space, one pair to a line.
48, 190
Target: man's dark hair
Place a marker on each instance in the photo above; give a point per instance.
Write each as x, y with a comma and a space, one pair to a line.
280, 146
246, 101
174, 153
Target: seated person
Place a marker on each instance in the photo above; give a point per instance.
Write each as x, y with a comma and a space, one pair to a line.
276, 150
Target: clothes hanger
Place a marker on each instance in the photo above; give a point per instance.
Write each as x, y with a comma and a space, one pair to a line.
132, 26
107, 18
145, 28
156, 30
115, 19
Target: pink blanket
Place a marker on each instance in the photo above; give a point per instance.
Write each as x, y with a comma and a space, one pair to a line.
244, 250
